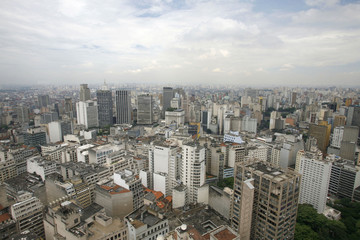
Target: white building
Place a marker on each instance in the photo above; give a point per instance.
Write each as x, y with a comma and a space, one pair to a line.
337, 137
40, 166
28, 214
55, 134
82, 153
163, 162
193, 170
98, 154
315, 178
87, 113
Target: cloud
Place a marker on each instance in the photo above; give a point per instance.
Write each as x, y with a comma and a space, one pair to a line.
321, 2
163, 40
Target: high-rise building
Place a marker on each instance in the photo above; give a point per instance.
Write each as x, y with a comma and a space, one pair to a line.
345, 177
315, 171
87, 113
84, 92
145, 109
105, 107
265, 200
43, 100
193, 170
168, 94
123, 106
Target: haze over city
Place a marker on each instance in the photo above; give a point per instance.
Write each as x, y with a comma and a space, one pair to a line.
250, 43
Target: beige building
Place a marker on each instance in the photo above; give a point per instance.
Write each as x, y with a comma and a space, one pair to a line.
117, 200
273, 195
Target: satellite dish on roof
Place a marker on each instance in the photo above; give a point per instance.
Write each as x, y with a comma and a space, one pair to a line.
183, 227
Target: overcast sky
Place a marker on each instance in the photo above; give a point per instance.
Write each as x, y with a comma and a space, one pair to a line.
249, 43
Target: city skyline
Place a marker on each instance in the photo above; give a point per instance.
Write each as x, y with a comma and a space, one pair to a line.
252, 43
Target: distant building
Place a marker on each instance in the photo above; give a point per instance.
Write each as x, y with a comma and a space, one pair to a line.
105, 107
87, 114
123, 106
43, 100
145, 109
168, 94
322, 134
84, 93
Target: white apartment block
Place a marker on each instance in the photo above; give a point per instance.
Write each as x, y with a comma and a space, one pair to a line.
193, 170
315, 178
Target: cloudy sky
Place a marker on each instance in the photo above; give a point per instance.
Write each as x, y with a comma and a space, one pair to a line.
248, 42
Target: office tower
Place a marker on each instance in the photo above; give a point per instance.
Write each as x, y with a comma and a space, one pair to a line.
145, 109
105, 107
265, 200
193, 170
28, 214
123, 106
87, 113
43, 100
84, 92
322, 134
344, 178
315, 171
168, 94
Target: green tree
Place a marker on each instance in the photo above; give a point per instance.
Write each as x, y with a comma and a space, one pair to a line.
304, 232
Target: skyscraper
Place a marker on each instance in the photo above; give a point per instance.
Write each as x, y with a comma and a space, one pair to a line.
105, 107
43, 100
84, 92
123, 106
87, 113
265, 200
168, 94
145, 109
193, 170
